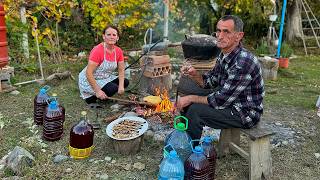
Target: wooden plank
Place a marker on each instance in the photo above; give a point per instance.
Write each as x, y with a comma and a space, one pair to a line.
130, 102
226, 137
239, 150
260, 161
203, 64
257, 132
224, 140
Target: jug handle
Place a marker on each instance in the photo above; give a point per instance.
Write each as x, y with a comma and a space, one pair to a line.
191, 143
178, 117
46, 87
51, 99
166, 152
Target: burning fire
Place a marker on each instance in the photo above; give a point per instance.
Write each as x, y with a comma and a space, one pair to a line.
165, 104
163, 112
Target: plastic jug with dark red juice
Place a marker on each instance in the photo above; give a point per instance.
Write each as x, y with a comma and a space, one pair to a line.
53, 121
179, 138
210, 153
81, 138
197, 165
54, 97
40, 102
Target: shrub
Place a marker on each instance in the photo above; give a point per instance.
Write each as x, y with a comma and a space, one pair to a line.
286, 50
263, 49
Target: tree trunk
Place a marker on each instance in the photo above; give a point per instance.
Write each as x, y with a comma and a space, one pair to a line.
293, 26
25, 44
59, 54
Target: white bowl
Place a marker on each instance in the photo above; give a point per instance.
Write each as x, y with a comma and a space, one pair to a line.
142, 130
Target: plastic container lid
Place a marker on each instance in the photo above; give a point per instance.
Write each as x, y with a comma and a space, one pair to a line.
198, 149
173, 154
180, 126
207, 139
53, 105
43, 91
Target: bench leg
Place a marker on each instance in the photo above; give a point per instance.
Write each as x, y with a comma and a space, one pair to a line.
227, 136
260, 161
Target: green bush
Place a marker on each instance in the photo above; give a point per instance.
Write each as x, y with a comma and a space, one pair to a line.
76, 35
286, 50
262, 49
15, 29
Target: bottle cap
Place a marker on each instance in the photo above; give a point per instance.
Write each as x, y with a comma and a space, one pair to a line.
198, 149
207, 139
173, 153
53, 105
83, 113
180, 126
43, 91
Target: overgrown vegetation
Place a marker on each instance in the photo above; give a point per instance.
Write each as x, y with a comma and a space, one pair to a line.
263, 49
69, 27
286, 50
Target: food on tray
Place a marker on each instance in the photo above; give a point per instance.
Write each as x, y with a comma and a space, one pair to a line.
126, 129
152, 99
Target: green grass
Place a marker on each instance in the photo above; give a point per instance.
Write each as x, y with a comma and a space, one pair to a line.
299, 85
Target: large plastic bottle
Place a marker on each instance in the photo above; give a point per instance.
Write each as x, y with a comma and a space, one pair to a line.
171, 167
197, 165
210, 153
81, 138
39, 104
53, 121
179, 138
54, 97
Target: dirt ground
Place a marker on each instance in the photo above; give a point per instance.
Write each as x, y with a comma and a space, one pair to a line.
292, 161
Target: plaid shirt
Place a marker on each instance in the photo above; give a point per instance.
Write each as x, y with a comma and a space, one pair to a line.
238, 83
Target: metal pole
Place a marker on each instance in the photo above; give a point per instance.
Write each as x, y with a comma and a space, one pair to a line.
166, 20
281, 27
39, 57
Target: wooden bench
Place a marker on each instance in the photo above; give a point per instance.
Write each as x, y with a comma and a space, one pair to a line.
259, 155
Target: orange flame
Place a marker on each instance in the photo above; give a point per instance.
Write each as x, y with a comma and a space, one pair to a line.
165, 104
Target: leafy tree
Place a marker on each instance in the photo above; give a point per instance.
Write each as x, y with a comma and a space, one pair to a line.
124, 13
44, 17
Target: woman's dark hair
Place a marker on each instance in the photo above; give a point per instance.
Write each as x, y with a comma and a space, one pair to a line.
113, 27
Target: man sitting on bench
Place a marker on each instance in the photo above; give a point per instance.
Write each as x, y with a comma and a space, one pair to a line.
236, 101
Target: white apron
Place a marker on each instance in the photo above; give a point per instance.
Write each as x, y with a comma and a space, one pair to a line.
103, 75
